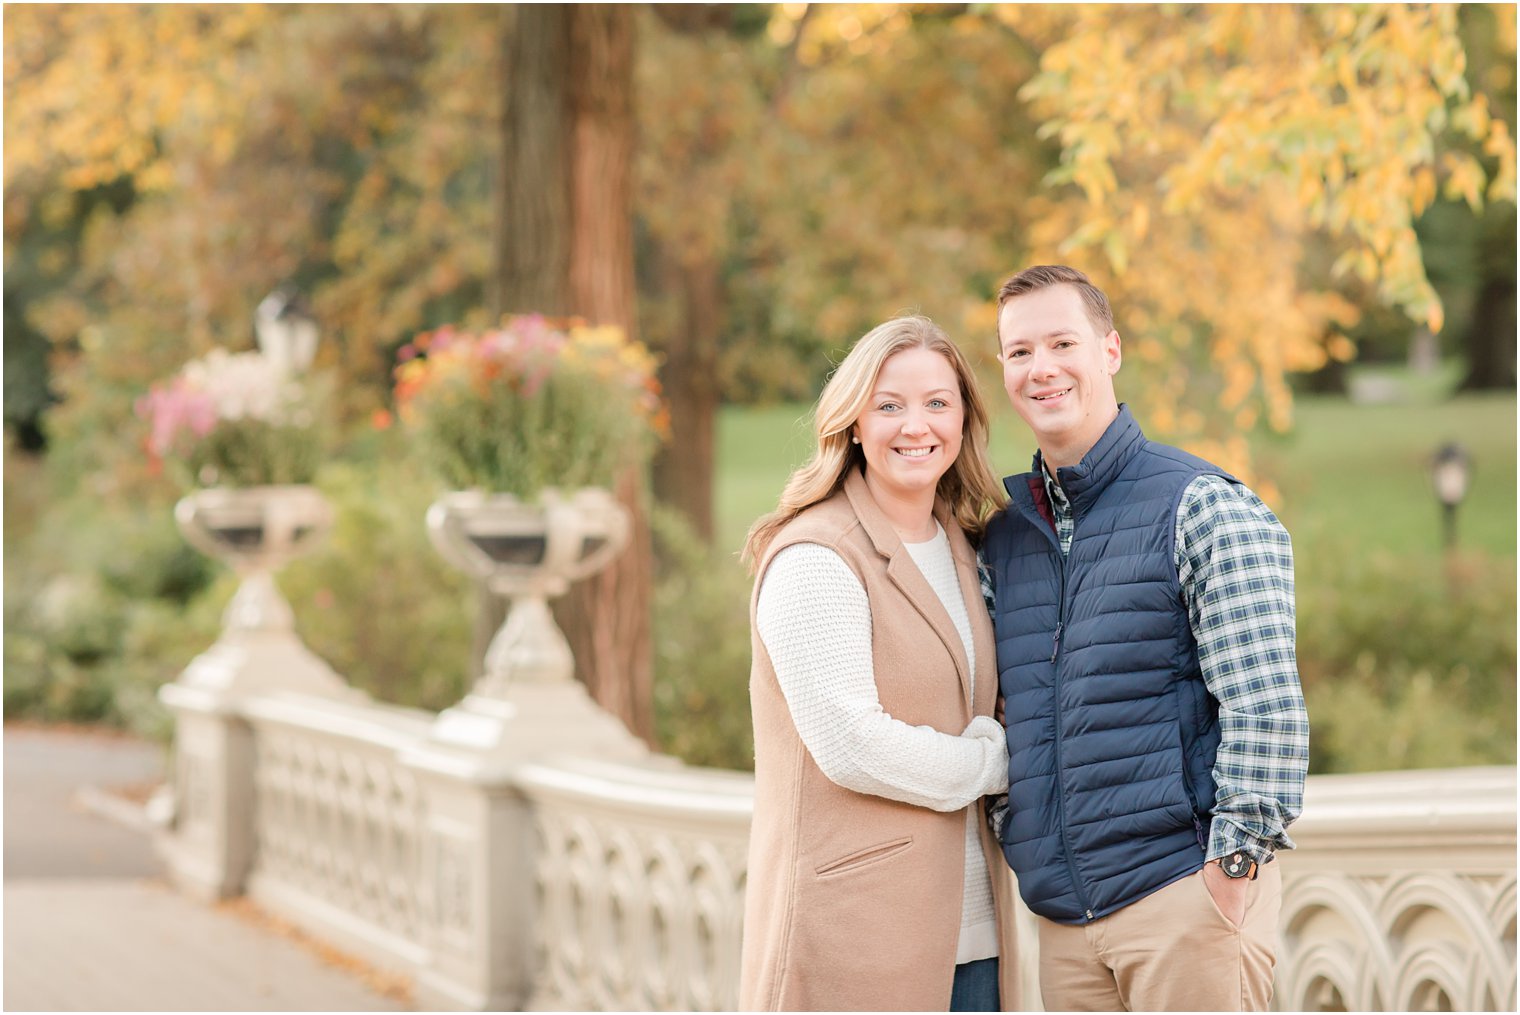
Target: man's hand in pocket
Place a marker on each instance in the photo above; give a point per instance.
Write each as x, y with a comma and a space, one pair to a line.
1229, 893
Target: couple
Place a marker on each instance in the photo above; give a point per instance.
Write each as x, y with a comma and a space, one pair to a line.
1133, 610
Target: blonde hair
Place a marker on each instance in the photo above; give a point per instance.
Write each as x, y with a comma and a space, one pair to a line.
968, 486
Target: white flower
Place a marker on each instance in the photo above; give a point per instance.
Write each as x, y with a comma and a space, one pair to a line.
246, 385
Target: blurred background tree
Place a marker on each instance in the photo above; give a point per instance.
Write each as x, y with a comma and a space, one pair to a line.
1266, 192
1221, 159
563, 240
804, 171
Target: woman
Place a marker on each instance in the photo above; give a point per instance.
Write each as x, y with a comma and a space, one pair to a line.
874, 883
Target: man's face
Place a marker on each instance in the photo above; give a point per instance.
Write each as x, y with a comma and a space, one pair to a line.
1058, 371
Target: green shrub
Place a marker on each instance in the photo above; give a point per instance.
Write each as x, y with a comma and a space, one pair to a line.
105, 604
1397, 717
143, 556
160, 640
25, 666
52, 680
81, 620
131, 547
100, 609
1407, 662
377, 601
701, 641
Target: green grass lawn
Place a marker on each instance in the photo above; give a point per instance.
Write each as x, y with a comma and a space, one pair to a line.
1360, 474
1355, 475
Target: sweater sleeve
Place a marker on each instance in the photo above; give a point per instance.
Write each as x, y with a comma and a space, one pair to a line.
814, 619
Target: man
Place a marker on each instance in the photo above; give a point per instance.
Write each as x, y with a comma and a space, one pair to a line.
1143, 601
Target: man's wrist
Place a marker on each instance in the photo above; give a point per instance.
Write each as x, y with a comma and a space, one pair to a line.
1226, 838
1236, 866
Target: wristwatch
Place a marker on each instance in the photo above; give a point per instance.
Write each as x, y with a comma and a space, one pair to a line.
1238, 865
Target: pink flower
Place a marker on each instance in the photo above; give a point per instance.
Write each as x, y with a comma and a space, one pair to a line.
174, 409
498, 345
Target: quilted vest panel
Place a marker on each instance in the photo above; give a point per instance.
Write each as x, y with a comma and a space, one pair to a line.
1112, 733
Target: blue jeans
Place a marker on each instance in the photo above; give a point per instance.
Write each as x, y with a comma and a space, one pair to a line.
976, 986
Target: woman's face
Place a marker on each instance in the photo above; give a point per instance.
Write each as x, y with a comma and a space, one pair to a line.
911, 427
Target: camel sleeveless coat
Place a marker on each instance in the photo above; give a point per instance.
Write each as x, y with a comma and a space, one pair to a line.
853, 901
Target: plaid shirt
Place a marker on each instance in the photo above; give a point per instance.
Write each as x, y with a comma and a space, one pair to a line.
1235, 563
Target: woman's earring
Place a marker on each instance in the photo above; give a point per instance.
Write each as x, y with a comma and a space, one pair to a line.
855, 440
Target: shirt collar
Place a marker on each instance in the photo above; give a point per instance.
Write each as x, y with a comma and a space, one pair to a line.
1084, 481
1053, 491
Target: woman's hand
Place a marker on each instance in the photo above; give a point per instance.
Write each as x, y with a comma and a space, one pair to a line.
995, 753
998, 712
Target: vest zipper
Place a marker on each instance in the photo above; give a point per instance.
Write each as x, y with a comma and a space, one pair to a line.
1055, 652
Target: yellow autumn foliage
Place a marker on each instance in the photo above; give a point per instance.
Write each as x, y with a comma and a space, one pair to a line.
1205, 152
1223, 171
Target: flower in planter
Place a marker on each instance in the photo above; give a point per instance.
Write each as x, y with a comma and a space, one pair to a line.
235, 420
534, 403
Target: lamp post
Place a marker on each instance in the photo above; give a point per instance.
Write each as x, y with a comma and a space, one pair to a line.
1450, 471
286, 330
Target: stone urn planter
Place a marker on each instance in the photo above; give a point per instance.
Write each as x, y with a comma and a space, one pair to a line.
257, 530
528, 551
541, 412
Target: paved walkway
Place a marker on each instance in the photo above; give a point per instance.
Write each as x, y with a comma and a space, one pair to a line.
92, 925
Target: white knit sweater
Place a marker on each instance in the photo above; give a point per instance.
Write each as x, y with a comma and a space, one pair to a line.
815, 622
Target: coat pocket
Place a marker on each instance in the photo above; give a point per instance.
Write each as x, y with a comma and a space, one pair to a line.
865, 857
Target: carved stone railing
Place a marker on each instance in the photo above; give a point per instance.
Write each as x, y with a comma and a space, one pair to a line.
545, 863
339, 824
1401, 895
640, 885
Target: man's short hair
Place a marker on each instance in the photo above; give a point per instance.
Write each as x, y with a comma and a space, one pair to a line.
1042, 276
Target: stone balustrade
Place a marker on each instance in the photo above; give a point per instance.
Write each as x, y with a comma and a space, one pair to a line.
1401, 895
640, 884
339, 824
529, 855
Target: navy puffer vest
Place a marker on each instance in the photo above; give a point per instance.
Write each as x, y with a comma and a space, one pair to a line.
1111, 731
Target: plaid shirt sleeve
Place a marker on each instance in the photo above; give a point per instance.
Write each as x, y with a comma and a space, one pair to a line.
989, 589
997, 805
1235, 562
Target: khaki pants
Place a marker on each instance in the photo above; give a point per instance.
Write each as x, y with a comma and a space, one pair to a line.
1171, 951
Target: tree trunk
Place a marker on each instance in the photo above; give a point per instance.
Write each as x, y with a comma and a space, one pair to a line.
601, 176
530, 202
1489, 343
565, 245
532, 236
1490, 339
607, 617
683, 472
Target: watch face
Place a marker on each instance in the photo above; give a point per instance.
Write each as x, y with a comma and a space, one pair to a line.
1236, 865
